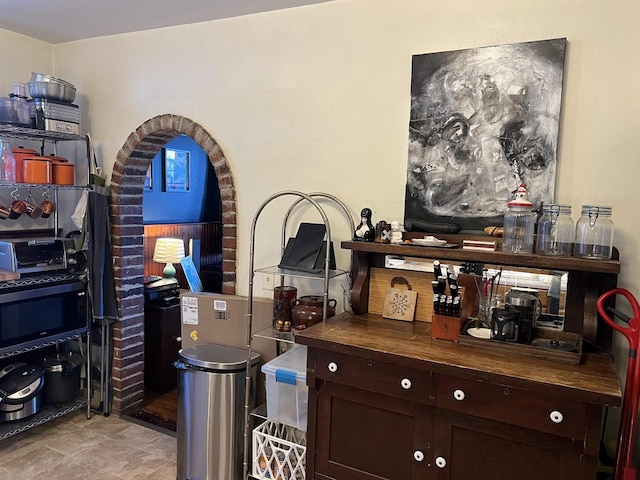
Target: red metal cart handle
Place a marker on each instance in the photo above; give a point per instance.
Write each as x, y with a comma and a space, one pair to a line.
631, 332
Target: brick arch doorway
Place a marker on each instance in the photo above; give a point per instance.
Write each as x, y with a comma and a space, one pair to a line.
127, 183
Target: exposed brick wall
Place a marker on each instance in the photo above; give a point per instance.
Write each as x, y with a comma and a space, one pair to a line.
127, 182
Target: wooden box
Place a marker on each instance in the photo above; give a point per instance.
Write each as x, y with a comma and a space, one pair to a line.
448, 327
445, 327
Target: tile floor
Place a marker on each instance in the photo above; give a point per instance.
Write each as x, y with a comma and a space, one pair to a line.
101, 448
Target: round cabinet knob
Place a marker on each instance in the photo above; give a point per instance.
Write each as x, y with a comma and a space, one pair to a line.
406, 383
178, 339
459, 395
418, 455
333, 367
441, 462
556, 417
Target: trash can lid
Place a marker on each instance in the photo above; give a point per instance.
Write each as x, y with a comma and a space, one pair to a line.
217, 357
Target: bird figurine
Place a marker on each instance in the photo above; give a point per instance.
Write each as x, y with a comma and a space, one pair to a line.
365, 232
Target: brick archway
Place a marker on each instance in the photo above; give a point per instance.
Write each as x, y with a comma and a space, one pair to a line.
127, 182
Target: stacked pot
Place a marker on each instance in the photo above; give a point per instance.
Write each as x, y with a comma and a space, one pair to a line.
36, 169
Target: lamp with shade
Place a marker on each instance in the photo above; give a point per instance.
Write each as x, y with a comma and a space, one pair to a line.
169, 251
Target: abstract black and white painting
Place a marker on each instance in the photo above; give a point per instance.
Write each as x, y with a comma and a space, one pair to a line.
483, 120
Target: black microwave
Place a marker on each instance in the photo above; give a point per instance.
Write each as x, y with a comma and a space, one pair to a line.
42, 312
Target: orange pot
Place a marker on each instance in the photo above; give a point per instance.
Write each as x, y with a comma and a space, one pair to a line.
36, 169
20, 154
63, 173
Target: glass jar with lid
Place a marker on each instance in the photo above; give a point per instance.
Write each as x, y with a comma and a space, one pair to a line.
555, 231
519, 223
594, 233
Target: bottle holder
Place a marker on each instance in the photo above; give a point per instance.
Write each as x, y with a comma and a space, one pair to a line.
279, 452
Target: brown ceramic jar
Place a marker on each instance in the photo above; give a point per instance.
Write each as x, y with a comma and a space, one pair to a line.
307, 310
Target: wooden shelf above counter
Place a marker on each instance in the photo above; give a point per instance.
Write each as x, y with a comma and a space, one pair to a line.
494, 258
587, 279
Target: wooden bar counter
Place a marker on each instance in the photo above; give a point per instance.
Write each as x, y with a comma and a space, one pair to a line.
387, 401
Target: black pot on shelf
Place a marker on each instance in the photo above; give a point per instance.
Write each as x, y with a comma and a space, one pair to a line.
62, 376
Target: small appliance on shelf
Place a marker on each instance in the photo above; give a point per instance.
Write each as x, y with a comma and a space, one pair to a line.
161, 290
54, 116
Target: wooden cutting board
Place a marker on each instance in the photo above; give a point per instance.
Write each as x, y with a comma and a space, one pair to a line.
420, 283
400, 303
6, 276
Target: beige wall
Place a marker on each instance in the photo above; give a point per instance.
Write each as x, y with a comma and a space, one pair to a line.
317, 98
19, 56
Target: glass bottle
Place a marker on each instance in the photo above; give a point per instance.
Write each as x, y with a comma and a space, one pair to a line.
8, 163
594, 233
555, 231
519, 223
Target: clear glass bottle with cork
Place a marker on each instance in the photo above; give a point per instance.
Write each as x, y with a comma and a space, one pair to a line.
7, 162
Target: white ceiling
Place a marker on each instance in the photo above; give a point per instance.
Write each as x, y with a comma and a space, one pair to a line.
57, 21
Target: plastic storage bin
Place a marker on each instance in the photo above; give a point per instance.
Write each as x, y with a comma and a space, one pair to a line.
278, 452
287, 392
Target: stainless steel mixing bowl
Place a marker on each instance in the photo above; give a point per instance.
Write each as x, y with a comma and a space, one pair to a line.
62, 92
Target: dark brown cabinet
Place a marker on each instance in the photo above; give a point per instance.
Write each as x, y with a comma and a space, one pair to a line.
377, 415
491, 431
469, 447
161, 346
389, 402
349, 442
362, 397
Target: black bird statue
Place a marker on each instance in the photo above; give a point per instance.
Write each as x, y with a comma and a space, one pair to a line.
365, 232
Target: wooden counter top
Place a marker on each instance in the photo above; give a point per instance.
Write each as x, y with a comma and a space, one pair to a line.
410, 344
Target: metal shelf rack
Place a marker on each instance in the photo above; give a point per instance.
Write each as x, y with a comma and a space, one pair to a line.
26, 133
49, 412
325, 276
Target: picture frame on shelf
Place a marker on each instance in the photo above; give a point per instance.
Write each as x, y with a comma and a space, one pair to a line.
175, 170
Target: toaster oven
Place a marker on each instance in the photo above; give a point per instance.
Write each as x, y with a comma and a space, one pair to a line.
36, 255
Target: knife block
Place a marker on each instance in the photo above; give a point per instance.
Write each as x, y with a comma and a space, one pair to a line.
448, 327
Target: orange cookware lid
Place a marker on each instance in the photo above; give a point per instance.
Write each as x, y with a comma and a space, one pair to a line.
23, 151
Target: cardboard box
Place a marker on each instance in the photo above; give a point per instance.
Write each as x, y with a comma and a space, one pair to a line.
222, 319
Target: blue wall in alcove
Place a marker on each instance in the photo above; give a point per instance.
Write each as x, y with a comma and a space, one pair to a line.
200, 204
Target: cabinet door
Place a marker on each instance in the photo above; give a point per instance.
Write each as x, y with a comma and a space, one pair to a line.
162, 330
468, 447
362, 435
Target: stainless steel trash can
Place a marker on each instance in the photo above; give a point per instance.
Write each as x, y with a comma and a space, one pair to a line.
210, 424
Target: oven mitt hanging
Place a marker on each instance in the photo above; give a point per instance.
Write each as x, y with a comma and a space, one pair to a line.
400, 303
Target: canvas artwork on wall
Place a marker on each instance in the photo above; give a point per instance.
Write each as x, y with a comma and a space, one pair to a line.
483, 120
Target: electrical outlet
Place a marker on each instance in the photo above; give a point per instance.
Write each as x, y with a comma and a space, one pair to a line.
267, 282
